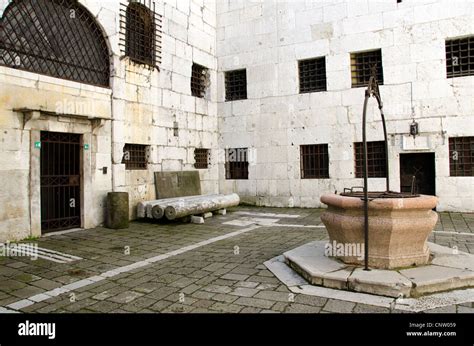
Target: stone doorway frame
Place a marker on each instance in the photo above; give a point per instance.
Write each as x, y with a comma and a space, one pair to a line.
35, 169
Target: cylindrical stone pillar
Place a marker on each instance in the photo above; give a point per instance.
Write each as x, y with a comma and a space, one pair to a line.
117, 210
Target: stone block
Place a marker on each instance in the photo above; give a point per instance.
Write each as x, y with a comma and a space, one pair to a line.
197, 219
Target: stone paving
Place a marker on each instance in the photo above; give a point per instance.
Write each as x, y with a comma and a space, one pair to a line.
223, 275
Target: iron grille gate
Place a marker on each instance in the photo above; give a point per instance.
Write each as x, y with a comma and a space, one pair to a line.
60, 181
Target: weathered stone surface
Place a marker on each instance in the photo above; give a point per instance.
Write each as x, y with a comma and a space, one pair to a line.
197, 219
309, 260
117, 210
199, 205
433, 278
177, 184
381, 282
398, 229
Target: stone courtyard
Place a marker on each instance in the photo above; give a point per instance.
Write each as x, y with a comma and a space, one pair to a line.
180, 267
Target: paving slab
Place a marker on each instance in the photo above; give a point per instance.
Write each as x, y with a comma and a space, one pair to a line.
309, 260
433, 278
382, 282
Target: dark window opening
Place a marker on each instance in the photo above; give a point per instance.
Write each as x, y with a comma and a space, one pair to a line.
199, 80
376, 159
236, 85
361, 67
461, 156
460, 57
135, 156
314, 161
57, 38
312, 73
237, 165
141, 33
201, 158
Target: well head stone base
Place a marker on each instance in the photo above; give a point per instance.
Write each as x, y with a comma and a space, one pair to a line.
449, 269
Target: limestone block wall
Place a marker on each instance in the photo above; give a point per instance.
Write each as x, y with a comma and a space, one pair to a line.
269, 37
148, 105
60, 106
142, 106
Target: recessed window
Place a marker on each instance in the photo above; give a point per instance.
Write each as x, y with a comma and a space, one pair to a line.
460, 57
236, 85
56, 38
362, 64
135, 156
312, 73
461, 156
199, 80
237, 165
314, 161
376, 159
201, 158
141, 26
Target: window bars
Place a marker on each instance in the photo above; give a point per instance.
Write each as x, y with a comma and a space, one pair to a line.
135, 156
140, 32
58, 38
236, 85
460, 57
376, 159
237, 165
314, 161
201, 158
361, 67
199, 80
312, 73
461, 156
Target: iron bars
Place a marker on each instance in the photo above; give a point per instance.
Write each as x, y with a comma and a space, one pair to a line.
58, 38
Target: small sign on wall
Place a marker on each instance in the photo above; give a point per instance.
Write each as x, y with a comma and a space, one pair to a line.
38, 145
86, 146
416, 143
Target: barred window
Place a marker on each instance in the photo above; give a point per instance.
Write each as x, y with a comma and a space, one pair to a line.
199, 80
57, 38
140, 30
201, 158
361, 67
461, 156
236, 85
237, 165
312, 73
314, 161
460, 57
376, 159
135, 156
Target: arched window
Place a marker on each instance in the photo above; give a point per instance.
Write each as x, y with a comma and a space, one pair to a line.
140, 34
59, 38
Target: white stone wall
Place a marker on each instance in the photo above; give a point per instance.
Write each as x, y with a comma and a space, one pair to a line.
147, 103
140, 107
269, 37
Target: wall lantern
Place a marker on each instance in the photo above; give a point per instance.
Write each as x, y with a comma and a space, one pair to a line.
414, 129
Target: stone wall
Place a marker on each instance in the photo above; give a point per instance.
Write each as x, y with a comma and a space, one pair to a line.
269, 37
142, 106
156, 108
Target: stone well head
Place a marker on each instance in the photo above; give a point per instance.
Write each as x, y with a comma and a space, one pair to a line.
398, 229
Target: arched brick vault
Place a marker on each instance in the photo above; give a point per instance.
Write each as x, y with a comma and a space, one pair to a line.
59, 38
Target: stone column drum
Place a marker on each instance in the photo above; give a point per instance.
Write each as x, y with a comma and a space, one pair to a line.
398, 229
